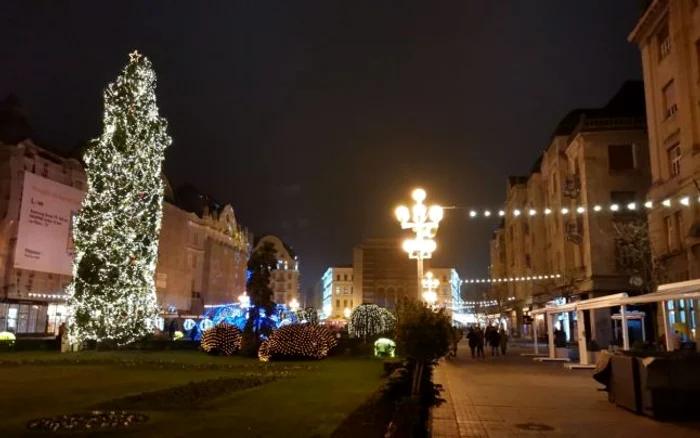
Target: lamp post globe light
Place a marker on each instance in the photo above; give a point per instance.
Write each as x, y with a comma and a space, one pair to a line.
424, 222
244, 300
430, 283
294, 305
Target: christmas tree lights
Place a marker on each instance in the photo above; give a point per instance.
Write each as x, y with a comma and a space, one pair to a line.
222, 339
369, 320
112, 296
298, 341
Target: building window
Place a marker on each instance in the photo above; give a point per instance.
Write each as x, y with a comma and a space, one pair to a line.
345, 277
526, 228
345, 303
528, 261
664, 39
670, 103
337, 277
553, 185
674, 160
621, 157
672, 232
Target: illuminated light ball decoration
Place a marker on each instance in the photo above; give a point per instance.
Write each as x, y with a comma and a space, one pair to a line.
384, 347
205, 325
178, 336
222, 339
298, 342
369, 320
189, 324
8, 337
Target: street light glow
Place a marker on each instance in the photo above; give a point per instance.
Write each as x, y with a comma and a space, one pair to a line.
418, 195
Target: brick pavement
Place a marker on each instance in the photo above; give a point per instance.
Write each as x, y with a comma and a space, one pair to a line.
514, 396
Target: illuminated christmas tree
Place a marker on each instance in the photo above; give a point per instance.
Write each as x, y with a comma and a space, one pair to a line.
112, 296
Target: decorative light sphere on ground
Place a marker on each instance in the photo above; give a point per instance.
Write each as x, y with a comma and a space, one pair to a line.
384, 347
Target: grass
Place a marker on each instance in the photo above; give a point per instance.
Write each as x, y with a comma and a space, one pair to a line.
310, 399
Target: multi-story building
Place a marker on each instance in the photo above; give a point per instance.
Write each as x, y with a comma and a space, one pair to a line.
383, 272
339, 295
285, 279
564, 224
202, 255
668, 36
448, 290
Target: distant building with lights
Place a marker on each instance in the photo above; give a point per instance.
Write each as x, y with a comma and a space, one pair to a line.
285, 279
383, 272
448, 290
339, 297
202, 256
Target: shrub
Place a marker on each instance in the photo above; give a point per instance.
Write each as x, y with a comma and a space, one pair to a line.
390, 365
298, 342
222, 339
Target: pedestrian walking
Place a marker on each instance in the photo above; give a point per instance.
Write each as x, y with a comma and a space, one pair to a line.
472, 339
503, 341
480, 343
494, 341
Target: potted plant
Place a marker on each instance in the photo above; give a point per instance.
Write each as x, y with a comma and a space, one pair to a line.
593, 351
560, 348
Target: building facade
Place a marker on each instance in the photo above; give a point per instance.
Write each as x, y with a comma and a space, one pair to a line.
285, 280
201, 259
595, 167
668, 36
383, 272
339, 295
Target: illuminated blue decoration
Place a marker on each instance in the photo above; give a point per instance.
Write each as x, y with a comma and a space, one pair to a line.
234, 314
248, 274
206, 324
188, 324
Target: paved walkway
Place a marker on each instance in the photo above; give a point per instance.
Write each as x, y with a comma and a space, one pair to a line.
514, 396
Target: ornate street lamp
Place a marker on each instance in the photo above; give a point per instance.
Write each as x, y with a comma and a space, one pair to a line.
430, 283
424, 222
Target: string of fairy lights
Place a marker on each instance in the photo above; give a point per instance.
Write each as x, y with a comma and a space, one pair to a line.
511, 279
474, 213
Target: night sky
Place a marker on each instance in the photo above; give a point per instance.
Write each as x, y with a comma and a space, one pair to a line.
315, 119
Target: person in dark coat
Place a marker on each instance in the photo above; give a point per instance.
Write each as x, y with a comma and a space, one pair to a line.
494, 340
472, 339
480, 342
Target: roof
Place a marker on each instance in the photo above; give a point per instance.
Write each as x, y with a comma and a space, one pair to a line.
628, 102
193, 200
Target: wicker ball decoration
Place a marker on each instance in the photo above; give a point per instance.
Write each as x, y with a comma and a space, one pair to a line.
224, 339
298, 341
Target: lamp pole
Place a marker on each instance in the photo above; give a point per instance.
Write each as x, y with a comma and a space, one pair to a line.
424, 222
430, 283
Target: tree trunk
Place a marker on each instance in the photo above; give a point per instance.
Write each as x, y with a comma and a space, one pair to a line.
417, 377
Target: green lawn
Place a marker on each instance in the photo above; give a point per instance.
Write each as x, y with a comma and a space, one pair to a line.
309, 400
